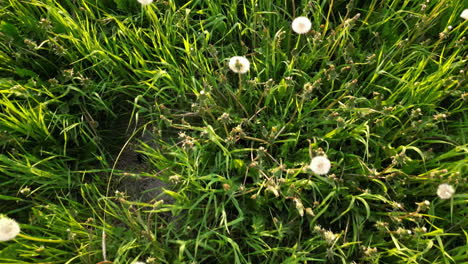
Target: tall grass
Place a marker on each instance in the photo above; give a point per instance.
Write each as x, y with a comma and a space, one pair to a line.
379, 87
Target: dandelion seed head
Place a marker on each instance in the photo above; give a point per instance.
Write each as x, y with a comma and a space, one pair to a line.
464, 14
239, 64
301, 25
9, 229
145, 2
320, 165
445, 191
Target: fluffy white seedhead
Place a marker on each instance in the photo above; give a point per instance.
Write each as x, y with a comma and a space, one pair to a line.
139, 262
145, 2
464, 14
239, 64
445, 191
320, 165
301, 25
9, 229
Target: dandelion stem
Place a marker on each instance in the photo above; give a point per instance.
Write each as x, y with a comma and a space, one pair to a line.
235, 98
142, 15
297, 43
293, 8
44, 240
240, 83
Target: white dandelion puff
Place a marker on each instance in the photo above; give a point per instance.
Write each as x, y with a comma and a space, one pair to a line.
301, 25
145, 2
239, 64
464, 14
9, 229
139, 262
445, 191
320, 165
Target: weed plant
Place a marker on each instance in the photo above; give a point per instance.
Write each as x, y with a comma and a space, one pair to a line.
377, 87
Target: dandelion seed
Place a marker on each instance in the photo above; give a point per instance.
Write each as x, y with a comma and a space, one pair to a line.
301, 25
139, 262
239, 64
320, 165
464, 14
145, 2
445, 191
9, 229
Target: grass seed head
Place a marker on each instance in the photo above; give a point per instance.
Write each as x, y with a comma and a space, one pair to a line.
225, 118
423, 206
226, 187
329, 237
369, 251
403, 232
301, 25
299, 206
309, 211
25, 190
9, 229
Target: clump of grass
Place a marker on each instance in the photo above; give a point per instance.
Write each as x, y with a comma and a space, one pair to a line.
346, 142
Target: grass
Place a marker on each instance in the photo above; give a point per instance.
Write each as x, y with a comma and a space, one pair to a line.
379, 87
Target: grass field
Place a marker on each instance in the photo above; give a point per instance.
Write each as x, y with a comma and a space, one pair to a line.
126, 134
